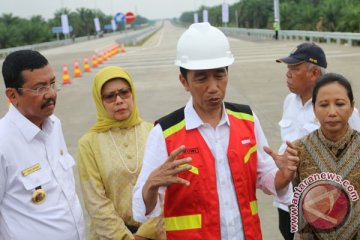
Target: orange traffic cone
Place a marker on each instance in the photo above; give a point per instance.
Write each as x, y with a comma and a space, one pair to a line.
123, 48
105, 57
77, 71
109, 53
94, 62
66, 77
100, 59
116, 48
86, 65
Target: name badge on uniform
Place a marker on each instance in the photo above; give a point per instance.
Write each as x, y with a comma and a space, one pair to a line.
31, 169
38, 196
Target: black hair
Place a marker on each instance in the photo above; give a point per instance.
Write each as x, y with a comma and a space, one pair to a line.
184, 71
328, 78
18, 61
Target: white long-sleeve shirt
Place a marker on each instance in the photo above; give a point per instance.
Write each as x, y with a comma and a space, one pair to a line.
23, 145
217, 140
299, 120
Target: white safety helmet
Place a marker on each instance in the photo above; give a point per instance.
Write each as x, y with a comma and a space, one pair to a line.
203, 46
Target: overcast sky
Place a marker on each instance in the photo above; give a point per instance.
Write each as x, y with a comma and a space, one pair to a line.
151, 9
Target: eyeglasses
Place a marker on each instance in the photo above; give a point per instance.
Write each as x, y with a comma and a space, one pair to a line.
124, 93
42, 89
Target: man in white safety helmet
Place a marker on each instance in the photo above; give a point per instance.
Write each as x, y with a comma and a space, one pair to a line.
203, 162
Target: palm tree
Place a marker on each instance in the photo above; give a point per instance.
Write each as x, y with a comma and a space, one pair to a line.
331, 11
350, 20
9, 36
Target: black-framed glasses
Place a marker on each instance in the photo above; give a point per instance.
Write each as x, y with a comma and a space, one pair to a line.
41, 89
124, 93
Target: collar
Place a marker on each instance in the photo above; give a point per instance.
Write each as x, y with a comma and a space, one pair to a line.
308, 103
192, 119
340, 144
26, 127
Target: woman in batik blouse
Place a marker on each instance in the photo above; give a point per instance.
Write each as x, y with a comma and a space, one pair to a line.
326, 201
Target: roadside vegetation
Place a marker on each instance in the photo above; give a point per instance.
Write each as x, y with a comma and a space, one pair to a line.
16, 31
310, 15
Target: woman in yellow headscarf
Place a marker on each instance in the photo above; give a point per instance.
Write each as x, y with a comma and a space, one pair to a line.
110, 158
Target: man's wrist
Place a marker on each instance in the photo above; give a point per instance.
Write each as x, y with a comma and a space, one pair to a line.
283, 178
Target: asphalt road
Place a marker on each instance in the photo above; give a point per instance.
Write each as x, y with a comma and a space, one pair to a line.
255, 79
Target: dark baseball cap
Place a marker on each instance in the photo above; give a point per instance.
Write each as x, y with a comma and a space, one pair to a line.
306, 52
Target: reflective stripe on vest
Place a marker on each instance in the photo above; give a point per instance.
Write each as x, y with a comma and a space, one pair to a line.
248, 154
174, 128
193, 169
240, 115
247, 117
194, 221
254, 207
183, 222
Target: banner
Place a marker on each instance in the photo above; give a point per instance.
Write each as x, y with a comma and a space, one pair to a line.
97, 24
225, 13
205, 15
196, 18
65, 24
113, 24
276, 10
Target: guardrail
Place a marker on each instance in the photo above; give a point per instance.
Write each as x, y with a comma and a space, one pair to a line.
129, 36
258, 34
135, 37
40, 46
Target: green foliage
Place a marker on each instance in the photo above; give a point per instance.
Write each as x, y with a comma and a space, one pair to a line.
351, 20
7, 36
255, 13
15, 31
187, 17
36, 30
309, 15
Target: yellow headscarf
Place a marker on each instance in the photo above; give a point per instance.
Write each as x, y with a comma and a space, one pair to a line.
103, 120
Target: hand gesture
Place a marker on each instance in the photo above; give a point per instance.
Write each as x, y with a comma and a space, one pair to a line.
167, 173
287, 163
164, 176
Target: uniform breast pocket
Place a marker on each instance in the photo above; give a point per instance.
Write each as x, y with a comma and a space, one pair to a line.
35, 179
285, 123
67, 163
285, 128
36, 186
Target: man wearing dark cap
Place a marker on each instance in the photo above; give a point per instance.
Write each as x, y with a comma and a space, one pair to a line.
306, 63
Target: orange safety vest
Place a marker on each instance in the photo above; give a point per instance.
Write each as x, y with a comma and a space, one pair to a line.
192, 212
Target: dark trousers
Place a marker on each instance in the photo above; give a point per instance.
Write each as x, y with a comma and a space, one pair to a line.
284, 224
